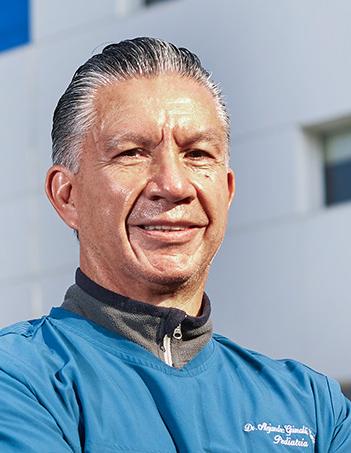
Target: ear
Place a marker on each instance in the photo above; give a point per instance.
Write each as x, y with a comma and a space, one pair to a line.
59, 187
231, 186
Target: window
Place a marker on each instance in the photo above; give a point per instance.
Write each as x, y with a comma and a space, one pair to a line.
151, 2
346, 388
337, 165
14, 23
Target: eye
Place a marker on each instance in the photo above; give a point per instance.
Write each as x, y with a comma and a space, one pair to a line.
198, 154
134, 152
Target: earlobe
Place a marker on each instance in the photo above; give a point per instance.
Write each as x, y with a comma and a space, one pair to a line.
231, 185
59, 189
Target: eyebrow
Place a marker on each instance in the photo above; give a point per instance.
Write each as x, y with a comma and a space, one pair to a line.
130, 137
208, 136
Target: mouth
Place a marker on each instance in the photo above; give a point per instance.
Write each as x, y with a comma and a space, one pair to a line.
165, 228
167, 232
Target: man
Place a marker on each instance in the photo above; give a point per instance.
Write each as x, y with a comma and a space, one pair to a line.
129, 361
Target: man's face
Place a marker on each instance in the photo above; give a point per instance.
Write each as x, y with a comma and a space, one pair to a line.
153, 189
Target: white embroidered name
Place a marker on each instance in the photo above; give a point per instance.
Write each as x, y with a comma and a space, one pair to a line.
283, 433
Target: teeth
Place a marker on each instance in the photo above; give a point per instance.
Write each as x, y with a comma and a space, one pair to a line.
162, 228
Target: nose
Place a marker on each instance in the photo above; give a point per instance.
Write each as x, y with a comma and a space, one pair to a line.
169, 179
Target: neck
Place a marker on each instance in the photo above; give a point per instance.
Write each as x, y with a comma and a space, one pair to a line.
186, 296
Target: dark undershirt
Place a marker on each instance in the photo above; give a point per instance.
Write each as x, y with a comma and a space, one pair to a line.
142, 323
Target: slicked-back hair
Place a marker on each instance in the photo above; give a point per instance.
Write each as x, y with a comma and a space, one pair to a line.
130, 59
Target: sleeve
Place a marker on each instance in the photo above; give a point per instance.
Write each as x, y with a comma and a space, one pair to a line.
25, 425
341, 440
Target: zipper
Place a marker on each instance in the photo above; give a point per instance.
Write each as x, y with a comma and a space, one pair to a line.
166, 346
167, 350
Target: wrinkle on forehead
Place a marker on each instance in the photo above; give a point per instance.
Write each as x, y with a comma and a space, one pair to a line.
162, 106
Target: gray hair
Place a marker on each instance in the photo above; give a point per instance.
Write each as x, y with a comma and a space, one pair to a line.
135, 58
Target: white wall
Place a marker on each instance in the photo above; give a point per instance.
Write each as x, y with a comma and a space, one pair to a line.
280, 283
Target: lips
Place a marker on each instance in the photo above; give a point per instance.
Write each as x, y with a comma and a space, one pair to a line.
165, 231
163, 227
166, 224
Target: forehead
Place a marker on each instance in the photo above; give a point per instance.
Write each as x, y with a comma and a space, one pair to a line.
167, 101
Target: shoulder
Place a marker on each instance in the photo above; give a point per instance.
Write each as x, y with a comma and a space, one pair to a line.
19, 335
23, 329
26, 349
259, 361
285, 375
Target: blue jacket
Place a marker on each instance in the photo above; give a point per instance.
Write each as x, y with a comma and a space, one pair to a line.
69, 385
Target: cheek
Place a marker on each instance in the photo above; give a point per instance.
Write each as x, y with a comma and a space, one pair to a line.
107, 204
213, 190
123, 183
94, 205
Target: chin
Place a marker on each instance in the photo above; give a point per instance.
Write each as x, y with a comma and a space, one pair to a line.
172, 278
169, 279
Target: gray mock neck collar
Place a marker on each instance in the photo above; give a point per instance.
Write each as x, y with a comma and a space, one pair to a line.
143, 323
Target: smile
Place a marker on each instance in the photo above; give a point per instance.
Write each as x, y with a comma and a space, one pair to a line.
163, 228
166, 233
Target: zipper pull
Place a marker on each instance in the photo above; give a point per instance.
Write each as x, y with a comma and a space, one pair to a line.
177, 333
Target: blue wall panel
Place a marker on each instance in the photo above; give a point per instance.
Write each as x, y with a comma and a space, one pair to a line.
14, 23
